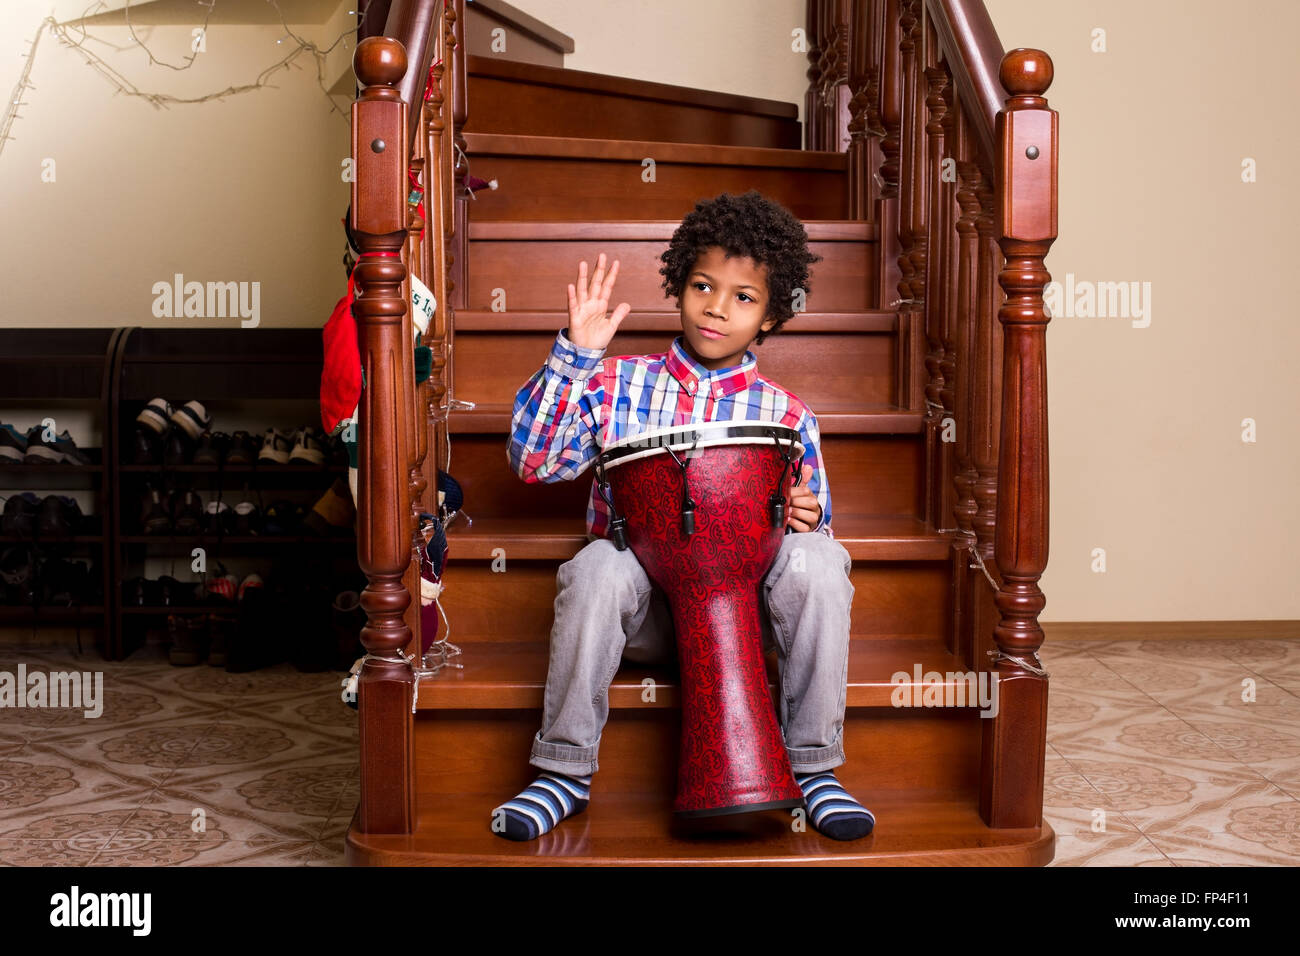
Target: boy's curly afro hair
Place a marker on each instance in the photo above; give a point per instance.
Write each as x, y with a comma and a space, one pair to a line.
744, 225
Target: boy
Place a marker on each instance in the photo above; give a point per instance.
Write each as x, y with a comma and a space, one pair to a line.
735, 264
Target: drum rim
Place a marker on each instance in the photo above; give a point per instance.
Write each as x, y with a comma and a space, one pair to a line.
623, 451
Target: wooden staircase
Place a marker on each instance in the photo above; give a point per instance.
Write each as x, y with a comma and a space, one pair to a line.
947, 786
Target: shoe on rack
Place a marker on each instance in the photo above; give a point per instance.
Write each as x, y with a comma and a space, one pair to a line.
39, 451
247, 520
221, 589
243, 449
188, 423
308, 447
18, 573
332, 515
218, 518
275, 448
252, 581
68, 451
282, 518
13, 445
20, 515
155, 512
211, 449
60, 517
187, 513
173, 593
256, 641
155, 417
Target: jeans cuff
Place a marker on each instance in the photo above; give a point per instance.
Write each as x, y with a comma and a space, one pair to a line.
564, 758
816, 759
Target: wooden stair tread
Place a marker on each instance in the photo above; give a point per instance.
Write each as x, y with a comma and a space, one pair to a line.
509, 675
632, 230
480, 145
670, 322
848, 418
913, 828
866, 538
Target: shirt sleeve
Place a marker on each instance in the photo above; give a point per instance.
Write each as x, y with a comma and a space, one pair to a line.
810, 438
557, 413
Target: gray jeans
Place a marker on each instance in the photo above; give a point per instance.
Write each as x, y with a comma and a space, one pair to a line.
606, 609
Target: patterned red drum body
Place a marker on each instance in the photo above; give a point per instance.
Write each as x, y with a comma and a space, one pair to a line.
732, 476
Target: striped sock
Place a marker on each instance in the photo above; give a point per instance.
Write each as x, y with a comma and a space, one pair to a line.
544, 803
830, 808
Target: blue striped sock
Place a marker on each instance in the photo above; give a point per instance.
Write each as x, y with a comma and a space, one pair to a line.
543, 803
830, 808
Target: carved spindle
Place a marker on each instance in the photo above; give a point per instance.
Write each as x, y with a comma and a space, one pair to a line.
988, 373
379, 152
933, 298
1015, 740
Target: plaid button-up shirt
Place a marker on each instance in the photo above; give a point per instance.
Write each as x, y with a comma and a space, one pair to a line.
579, 402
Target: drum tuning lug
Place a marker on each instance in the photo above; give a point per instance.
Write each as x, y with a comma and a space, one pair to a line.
618, 531
688, 518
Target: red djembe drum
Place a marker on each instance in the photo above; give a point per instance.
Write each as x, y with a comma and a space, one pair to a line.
703, 508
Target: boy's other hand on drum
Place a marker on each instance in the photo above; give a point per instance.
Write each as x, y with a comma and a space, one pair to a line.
805, 512
588, 326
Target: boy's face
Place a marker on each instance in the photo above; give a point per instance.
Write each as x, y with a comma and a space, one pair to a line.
728, 296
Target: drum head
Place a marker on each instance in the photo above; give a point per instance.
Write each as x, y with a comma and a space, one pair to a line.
682, 438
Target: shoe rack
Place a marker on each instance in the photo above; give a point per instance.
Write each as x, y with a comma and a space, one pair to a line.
254, 373
62, 374
108, 375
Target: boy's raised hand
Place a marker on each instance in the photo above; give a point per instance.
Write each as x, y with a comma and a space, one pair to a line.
589, 327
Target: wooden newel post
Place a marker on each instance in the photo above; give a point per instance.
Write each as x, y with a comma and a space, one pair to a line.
1015, 740
380, 153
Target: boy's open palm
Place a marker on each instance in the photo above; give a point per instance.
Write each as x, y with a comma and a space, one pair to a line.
589, 327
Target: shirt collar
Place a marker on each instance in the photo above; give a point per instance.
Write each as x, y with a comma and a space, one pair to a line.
691, 373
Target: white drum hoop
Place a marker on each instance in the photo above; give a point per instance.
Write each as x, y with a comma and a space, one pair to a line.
694, 437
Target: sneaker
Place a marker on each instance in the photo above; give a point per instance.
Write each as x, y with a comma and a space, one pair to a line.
20, 515
211, 448
192, 420
243, 449
217, 518
155, 417
13, 445
60, 517
146, 447
187, 513
247, 520
18, 573
275, 448
308, 447
253, 581
155, 513
221, 589
39, 451
68, 451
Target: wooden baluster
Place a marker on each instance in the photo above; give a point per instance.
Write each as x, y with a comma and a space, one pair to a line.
937, 229
890, 126
812, 98
1015, 741
966, 304
379, 152
863, 87
440, 187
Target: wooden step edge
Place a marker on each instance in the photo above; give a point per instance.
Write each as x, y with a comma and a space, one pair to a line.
885, 420
646, 230
485, 542
883, 674
913, 828
865, 321
481, 146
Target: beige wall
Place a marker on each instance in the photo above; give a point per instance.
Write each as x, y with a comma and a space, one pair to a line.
1147, 460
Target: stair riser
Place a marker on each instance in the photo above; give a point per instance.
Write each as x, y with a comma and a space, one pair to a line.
821, 369
890, 467
905, 600
459, 752
587, 188
529, 276
508, 105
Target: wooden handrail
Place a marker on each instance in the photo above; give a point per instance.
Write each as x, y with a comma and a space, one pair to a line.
974, 54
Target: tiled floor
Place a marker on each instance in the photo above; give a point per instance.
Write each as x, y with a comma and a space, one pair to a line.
1154, 759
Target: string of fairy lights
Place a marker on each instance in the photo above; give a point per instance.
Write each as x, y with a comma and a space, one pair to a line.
74, 35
